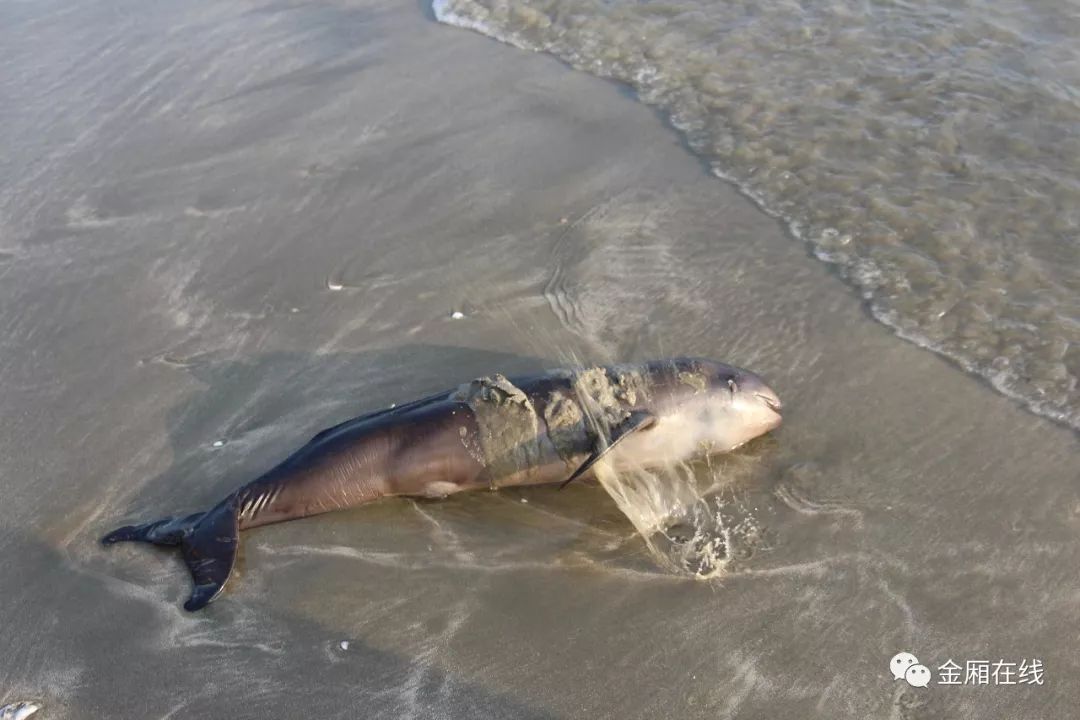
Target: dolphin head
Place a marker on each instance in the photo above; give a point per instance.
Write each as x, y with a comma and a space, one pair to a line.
739, 406
683, 408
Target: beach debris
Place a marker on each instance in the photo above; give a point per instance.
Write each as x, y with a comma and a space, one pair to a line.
344, 644
457, 315
335, 286
218, 443
525, 500
18, 710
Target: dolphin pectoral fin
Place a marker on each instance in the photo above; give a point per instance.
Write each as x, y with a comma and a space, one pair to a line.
637, 421
209, 551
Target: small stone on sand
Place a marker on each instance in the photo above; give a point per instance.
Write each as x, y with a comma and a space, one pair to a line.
457, 315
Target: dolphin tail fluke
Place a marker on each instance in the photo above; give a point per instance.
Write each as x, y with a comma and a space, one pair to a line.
208, 542
210, 552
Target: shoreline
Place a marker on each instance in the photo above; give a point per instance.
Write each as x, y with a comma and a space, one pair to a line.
270, 235
997, 381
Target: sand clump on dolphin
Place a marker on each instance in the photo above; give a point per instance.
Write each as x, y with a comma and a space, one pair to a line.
492, 432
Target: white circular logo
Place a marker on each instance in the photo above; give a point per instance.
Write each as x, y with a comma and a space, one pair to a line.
900, 664
917, 676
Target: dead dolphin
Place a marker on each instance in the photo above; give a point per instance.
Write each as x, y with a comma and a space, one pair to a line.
490, 433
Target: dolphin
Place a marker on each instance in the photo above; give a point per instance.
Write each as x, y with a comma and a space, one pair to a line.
491, 432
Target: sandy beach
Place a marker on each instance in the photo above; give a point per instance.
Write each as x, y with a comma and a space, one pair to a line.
226, 226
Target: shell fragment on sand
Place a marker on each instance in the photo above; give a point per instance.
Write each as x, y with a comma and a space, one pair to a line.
18, 710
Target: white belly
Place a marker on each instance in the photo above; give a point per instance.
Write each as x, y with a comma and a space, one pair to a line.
672, 440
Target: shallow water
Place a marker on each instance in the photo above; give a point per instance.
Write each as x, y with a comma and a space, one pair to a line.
928, 150
228, 224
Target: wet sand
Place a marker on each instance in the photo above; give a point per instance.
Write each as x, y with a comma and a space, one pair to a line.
243, 222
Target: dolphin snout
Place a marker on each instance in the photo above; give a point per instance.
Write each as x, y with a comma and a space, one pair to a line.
772, 400
753, 385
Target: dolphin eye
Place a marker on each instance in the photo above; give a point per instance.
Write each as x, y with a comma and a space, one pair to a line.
732, 385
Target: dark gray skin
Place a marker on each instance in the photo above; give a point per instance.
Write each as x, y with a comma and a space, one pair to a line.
490, 433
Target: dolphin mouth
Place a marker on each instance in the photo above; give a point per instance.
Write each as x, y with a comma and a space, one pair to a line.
772, 402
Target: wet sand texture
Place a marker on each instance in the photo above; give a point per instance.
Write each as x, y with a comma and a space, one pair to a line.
228, 225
